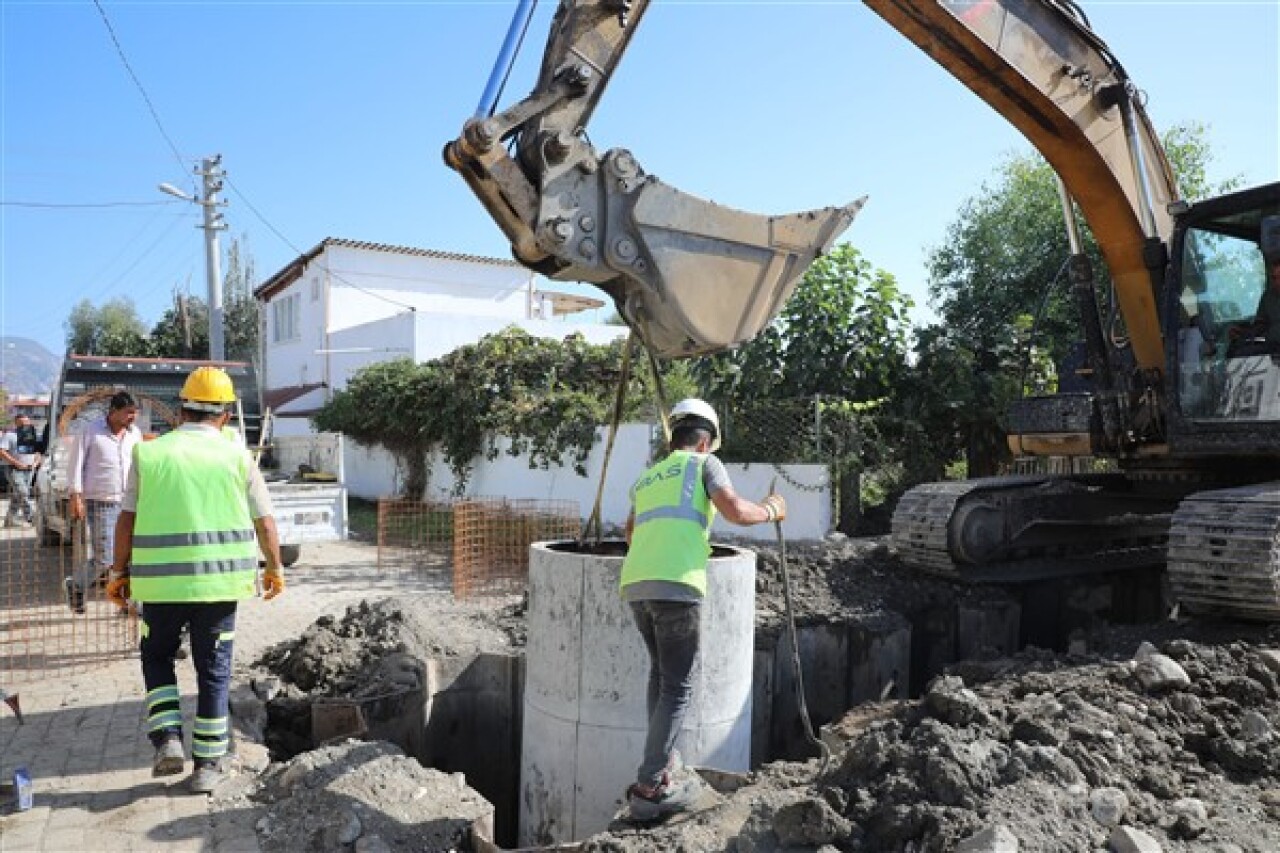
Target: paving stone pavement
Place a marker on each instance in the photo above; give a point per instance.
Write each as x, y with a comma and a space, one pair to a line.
85, 745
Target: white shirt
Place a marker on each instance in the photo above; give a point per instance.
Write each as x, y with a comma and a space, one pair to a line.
98, 467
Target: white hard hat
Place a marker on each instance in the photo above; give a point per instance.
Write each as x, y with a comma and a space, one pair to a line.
692, 407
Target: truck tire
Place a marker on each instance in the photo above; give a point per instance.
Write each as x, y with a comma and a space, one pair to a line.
289, 554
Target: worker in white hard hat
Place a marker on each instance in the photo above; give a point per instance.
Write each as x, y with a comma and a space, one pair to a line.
664, 578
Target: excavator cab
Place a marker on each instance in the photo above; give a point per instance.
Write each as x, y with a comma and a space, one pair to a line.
1223, 314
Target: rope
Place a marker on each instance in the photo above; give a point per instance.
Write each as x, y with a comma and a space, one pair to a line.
805, 719
619, 401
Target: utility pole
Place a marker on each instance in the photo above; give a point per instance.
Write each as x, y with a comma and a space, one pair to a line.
211, 171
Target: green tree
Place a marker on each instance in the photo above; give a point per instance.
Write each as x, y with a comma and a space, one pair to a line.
113, 328
546, 397
183, 330
240, 308
998, 273
843, 332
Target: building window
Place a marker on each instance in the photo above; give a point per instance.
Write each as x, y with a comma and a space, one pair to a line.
286, 314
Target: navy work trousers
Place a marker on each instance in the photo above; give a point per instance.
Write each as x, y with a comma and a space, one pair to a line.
212, 629
671, 631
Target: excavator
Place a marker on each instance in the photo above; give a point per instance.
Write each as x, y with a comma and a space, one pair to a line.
1185, 403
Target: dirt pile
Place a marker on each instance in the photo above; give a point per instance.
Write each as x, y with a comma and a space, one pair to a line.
366, 796
376, 649
1176, 748
841, 579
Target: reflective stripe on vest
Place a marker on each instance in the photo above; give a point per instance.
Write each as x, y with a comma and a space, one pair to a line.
193, 533
673, 515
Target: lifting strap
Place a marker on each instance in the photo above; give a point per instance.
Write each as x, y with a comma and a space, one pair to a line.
593, 523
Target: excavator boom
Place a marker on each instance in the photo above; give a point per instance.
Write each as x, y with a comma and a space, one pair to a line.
695, 277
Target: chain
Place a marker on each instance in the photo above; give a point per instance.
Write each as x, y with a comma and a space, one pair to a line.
791, 481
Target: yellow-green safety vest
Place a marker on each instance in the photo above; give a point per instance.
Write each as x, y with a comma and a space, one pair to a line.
673, 515
193, 537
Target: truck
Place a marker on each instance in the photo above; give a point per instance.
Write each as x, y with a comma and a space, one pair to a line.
304, 474
1189, 417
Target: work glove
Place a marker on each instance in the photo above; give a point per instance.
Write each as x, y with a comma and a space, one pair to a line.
776, 506
272, 584
118, 591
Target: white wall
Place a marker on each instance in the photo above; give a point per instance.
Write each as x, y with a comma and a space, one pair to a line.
371, 474
346, 287
426, 283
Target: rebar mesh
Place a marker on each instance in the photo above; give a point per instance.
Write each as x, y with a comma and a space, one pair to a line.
492, 538
416, 537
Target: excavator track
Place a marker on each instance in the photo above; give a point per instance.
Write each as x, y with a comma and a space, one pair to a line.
1224, 552
1025, 528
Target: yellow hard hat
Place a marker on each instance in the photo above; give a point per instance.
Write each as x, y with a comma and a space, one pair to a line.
207, 389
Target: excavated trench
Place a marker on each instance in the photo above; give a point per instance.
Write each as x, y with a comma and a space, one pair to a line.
445, 681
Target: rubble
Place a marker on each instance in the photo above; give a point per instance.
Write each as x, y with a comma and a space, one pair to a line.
1158, 736
363, 795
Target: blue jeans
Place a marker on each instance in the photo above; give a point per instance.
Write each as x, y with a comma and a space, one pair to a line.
101, 517
212, 628
19, 494
671, 632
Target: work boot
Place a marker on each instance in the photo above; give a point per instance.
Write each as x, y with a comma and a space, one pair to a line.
207, 776
75, 598
669, 796
170, 758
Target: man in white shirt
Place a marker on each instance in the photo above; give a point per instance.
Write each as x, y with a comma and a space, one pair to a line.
97, 471
20, 455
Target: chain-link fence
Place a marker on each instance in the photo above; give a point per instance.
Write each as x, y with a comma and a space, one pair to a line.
814, 429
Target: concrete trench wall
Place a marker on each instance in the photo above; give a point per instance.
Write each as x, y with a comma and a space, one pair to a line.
473, 706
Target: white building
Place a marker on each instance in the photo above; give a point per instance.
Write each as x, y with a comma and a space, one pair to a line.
346, 304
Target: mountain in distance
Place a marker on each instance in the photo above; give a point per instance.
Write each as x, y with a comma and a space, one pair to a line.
26, 367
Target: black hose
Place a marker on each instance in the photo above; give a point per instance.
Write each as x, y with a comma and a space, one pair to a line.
805, 719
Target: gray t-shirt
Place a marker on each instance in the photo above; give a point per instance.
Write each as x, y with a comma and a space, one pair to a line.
714, 478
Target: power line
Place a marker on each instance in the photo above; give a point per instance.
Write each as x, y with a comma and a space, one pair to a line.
71, 205
300, 252
129, 68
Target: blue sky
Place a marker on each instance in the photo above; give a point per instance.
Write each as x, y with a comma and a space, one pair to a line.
330, 118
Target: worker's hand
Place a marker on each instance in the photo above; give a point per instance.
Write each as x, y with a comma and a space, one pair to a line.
118, 590
272, 583
776, 506
76, 506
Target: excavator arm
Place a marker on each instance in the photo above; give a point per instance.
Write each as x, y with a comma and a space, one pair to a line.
692, 276
695, 277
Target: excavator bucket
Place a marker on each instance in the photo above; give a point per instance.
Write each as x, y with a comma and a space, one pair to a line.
705, 277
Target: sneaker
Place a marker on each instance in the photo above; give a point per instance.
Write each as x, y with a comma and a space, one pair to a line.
670, 796
170, 758
75, 598
207, 776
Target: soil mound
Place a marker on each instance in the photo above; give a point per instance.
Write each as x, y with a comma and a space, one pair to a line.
1176, 748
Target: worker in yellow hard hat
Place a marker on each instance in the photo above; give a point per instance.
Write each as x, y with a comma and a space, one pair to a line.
664, 578
184, 548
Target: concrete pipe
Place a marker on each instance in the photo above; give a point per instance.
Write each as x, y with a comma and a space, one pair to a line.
587, 671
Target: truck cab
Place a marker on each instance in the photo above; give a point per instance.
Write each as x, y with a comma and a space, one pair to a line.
306, 510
